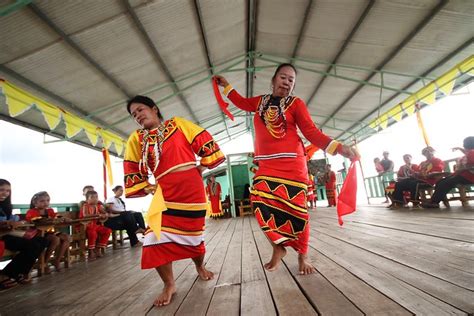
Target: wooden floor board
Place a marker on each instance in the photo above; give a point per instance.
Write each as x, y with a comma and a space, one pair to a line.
381, 262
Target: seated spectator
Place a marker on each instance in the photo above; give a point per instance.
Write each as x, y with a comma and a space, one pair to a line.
423, 176
120, 221
116, 205
58, 241
464, 174
17, 271
95, 230
408, 169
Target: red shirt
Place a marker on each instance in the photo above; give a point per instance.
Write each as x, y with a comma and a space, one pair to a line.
431, 166
34, 214
405, 171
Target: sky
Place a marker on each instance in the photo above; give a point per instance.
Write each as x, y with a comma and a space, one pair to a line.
63, 168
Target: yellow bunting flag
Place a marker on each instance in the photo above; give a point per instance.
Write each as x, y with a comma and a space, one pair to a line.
446, 82
51, 114
18, 102
427, 94
396, 113
383, 121
92, 133
73, 125
468, 66
157, 207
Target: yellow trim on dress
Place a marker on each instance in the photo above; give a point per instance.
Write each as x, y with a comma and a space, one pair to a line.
332, 147
209, 160
186, 207
228, 89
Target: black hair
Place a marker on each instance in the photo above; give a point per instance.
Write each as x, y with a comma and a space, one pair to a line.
280, 66
89, 193
117, 187
6, 207
145, 101
468, 142
87, 187
36, 197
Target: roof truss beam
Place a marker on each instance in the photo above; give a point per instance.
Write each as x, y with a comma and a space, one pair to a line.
393, 53
77, 48
426, 73
342, 49
197, 9
304, 25
157, 57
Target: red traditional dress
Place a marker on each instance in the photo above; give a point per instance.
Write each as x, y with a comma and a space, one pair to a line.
175, 143
96, 232
279, 189
34, 214
213, 191
331, 187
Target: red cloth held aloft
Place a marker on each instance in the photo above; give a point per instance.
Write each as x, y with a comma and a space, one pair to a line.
222, 104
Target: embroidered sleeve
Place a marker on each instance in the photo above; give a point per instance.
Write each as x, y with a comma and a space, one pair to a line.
201, 142
135, 179
311, 132
246, 104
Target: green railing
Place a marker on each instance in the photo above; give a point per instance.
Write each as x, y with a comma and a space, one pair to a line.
59, 207
376, 185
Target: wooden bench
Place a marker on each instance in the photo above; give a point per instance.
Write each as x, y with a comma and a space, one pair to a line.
463, 193
245, 207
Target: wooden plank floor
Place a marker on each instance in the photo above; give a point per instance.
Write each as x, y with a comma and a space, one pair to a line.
380, 262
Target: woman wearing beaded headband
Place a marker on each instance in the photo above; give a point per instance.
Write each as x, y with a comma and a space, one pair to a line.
279, 192
167, 150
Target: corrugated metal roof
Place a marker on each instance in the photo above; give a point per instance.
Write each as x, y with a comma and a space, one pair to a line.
35, 56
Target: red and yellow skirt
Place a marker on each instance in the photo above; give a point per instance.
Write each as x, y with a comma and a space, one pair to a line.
182, 223
216, 207
279, 200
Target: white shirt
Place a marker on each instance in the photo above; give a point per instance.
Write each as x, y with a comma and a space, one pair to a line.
118, 205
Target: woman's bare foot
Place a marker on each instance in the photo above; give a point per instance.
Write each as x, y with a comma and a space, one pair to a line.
98, 252
204, 274
92, 256
165, 297
278, 253
47, 270
305, 267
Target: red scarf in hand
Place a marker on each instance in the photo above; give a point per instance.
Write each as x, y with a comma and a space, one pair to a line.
347, 199
222, 104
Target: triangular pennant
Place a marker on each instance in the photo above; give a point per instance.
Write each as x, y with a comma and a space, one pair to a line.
92, 133
73, 125
396, 113
17, 102
119, 146
446, 82
467, 66
384, 121
430, 98
52, 115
